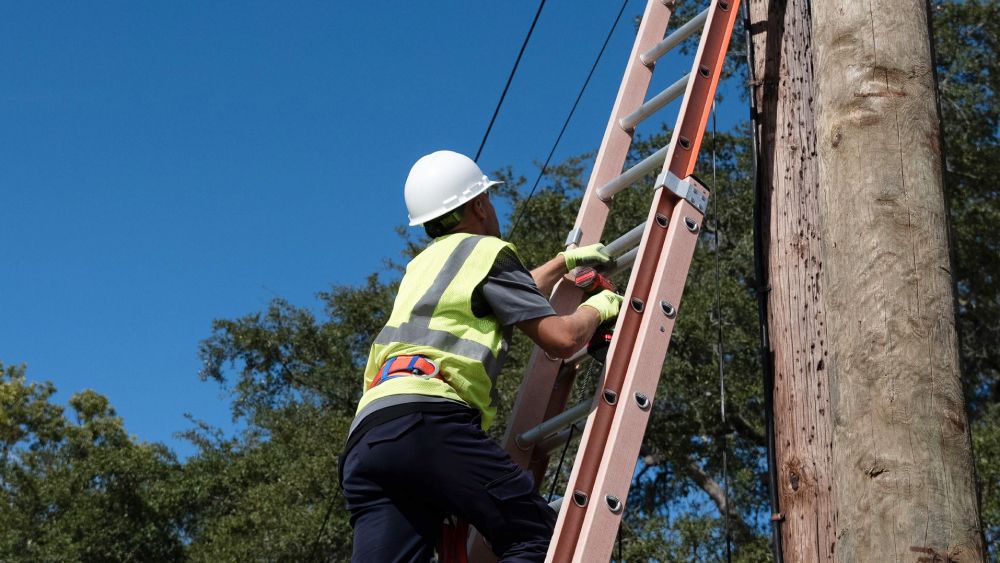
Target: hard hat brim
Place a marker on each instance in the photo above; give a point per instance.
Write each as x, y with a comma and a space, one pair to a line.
456, 202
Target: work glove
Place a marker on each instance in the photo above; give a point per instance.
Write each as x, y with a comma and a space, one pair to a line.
607, 304
590, 255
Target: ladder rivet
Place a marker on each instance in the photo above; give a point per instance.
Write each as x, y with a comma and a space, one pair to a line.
668, 309
580, 498
691, 224
610, 396
685, 143
662, 220
703, 70
642, 400
614, 504
637, 304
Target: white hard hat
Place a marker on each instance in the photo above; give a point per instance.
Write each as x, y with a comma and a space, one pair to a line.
440, 182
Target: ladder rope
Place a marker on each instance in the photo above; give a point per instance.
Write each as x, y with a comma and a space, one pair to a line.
510, 79
572, 110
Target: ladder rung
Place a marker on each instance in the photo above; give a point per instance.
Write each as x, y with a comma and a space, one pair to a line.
555, 441
569, 416
626, 242
624, 261
634, 174
647, 109
674, 39
556, 504
580, 354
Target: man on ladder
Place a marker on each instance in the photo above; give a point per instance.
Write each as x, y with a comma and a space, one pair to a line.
417, 451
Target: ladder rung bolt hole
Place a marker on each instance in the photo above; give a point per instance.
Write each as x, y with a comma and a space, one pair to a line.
724, 5
642, 400
662, 220
668, 309
614, 504
703, 70
685, 143
691, 224
637, 304
610, 396
580, 498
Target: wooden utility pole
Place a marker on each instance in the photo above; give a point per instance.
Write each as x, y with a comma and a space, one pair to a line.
788, 175
903, 469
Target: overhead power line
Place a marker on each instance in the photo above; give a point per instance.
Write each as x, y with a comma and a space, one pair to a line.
510, 79
583, 88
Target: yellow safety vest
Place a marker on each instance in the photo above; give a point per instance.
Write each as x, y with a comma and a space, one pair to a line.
432, 316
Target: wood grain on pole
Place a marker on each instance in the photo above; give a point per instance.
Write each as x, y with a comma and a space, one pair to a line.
904, 479
796, 310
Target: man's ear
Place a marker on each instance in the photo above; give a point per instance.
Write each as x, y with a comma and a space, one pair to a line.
479, 208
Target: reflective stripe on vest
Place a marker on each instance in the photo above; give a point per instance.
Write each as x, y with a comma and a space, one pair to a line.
441, 326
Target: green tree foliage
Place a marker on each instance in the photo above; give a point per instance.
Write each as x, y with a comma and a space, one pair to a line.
272, 493
81, 489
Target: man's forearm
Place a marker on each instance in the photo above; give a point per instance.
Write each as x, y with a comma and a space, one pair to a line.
548, 274
562, 336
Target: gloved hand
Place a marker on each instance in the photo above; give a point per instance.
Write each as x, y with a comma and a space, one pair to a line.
607, 304
590, 255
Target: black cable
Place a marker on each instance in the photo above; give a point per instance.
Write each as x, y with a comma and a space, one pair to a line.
762, 289
583, 88
562, 458
721, 350
509, 80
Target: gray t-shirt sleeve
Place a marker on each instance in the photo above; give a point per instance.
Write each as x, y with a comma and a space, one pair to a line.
510, 292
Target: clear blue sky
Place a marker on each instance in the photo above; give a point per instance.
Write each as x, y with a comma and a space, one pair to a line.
165, 164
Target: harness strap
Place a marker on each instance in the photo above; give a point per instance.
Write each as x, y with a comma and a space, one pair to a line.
404, 366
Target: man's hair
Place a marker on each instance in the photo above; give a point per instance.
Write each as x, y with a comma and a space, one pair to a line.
440, 226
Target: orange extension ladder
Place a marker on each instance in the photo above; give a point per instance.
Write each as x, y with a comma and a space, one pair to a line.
659, 251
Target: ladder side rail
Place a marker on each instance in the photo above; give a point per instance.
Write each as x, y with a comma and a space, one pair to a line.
614, 476
596, 431
537, 396
681, 160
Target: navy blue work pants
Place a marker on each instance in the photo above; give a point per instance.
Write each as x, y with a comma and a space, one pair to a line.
405, 475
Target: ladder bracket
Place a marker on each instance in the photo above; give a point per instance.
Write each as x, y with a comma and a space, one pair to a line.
689, 189
574, 236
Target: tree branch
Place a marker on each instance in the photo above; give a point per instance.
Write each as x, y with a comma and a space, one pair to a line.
744, 428
718, 495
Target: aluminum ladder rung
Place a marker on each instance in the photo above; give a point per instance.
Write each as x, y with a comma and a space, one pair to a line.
655, 104
674, 39
566, 418
624, 261
649, 164
624, 243
559, 440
